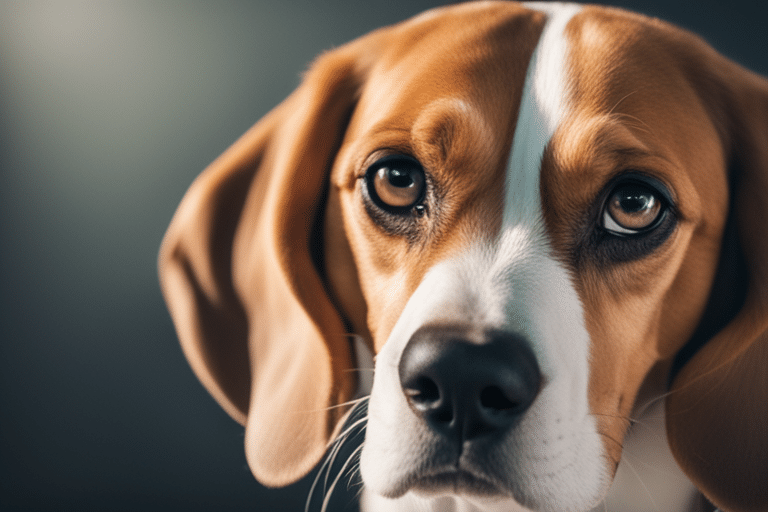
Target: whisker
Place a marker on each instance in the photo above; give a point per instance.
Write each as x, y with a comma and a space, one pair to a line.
354, 402
355, 469
312, 488
624, 449
645, 487
325, 467
627, 419
638, 123
350, 432
603, 434
653, 467
356, 423
633, 422
329, 493
622, 99
650, 403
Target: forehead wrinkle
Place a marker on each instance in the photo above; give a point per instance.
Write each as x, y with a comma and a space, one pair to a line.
451, 131
600, 141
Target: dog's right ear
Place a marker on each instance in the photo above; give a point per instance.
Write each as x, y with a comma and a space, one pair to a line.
240, 270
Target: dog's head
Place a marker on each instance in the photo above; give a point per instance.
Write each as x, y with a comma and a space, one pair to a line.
529, 213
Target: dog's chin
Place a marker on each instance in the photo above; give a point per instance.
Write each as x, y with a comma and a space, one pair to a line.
449, 490
479, 492
455, 483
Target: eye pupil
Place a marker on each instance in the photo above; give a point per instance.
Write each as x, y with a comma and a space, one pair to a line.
398, 178
636, 201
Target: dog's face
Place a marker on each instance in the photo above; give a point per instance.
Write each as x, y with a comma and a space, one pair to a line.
521, 209
587, 235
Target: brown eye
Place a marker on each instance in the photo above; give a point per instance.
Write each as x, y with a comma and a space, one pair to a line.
632, 208
397, 183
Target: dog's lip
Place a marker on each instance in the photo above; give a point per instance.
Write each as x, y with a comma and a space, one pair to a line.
456, 481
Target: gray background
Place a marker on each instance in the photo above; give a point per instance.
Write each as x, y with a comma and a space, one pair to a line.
108, 110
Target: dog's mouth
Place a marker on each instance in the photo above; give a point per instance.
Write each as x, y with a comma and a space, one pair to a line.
457, 482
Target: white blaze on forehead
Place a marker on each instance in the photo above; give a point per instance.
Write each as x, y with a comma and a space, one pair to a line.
541, 109
548, 63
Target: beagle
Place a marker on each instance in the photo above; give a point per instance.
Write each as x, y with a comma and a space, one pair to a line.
540, 218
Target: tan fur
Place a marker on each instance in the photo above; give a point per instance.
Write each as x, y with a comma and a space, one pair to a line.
459, 135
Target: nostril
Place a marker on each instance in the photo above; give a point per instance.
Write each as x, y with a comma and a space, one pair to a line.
493, 398
423, 391
424, 395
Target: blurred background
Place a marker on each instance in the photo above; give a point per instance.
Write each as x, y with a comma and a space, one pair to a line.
108, 111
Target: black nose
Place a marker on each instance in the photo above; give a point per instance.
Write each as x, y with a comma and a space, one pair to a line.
467, 388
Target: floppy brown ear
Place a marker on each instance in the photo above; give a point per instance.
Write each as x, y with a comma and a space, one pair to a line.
717, 409
239, 271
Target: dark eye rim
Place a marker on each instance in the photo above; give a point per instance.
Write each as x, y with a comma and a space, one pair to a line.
369, 188
630, 178
598, 247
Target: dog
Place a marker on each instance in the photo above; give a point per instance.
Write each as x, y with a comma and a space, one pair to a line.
542, 219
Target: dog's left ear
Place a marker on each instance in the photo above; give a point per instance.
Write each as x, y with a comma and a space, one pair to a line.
241, 271
717, 409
